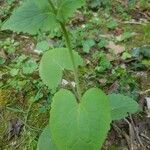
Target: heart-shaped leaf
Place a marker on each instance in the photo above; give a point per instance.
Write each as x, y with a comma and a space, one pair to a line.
122, 105
54, 62
80, 126
45, 140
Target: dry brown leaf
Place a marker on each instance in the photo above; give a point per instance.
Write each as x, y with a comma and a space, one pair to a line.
117, 49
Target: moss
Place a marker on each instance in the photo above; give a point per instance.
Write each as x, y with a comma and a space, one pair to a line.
4, 97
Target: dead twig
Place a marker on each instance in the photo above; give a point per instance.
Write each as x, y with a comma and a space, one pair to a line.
144, 92
131, 133
144, 136
123, 133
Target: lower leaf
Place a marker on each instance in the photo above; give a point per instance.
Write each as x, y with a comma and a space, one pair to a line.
122, 105
80, 126
45, 141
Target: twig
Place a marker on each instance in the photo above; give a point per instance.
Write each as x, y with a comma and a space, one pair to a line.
30, 127
144, 136
144, 92
132, 22
131, 132
117, 129
136, 132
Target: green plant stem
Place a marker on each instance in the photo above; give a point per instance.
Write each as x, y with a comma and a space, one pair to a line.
53, 7
28, 111
68, 44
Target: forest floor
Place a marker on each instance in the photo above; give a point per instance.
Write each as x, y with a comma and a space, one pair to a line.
114, 39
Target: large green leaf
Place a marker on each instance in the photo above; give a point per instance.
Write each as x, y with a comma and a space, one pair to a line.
35, 15
31, 17
54, 62
68, 7
45, 141
122, 105
82, 126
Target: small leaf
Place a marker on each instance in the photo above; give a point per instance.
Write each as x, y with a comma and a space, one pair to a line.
29, 67
103, 43
126, 55
80, 126
145, 51
54, 62
14, 72
67, 8
45, 141
42, 46
112, 24
146, 62
31, 17
87, 45
125, 36
122, 105
2, 60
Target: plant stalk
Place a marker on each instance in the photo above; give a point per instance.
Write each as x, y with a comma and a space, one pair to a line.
68, 45
53, 7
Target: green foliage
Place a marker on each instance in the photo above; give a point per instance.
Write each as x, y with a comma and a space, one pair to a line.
98, 3
2, 60
87, 45
122, 105
104, 63
45, 140
31, 18
29, 67
34, 16
142, 54
76, 121
42, 46
102, 43
145, 51
53, 64
80, 126
9, 45
5, 8
146, 62
125, 36
146, 30
67, 8
143, 3
126, 55
112, 24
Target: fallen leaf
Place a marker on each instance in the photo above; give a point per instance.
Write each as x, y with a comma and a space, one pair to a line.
117, 49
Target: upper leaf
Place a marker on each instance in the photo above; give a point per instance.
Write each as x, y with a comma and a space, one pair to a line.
82, 126
54, 62
45, 140
31, 17
122, 105
67, 8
